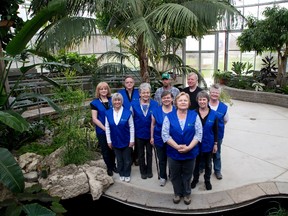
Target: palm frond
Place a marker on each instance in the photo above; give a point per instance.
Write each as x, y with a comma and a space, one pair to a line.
113, 56
211, 12
174, 19
65, 33
139, 28
19, 42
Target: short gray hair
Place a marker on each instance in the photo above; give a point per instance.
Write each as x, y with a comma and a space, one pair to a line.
118, 96
202, 94
193, 74
215, 86
144, 86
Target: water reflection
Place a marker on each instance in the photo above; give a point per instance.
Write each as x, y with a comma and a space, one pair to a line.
84, 205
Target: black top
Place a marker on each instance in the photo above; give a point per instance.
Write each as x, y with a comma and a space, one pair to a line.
193, 102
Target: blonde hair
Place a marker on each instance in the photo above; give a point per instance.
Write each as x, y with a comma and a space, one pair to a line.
182, 94
102, 85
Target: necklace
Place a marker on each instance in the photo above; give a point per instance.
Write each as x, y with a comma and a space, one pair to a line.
105, 102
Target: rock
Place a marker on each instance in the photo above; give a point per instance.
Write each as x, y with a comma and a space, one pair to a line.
29, 161
53, 160
66, 182
69, 181
5, 193
98, 179
31, 176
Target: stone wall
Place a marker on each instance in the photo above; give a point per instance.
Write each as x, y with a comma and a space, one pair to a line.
257, 96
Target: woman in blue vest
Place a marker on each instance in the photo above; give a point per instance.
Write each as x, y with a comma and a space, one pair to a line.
130, 94
208, 145
182, 130
120, 135
99, 105
142, 110
156, 127
223, 118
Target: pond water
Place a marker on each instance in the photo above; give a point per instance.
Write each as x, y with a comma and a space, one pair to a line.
84, 205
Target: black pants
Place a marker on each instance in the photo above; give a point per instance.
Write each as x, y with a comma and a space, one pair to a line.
144, 149
204, 158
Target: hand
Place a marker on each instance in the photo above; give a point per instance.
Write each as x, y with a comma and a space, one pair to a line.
215, 149
183, 148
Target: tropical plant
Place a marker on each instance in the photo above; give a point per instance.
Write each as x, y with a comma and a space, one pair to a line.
14, 48
86, 64
142, 26
76, 138
268, 72
268, 34
31, 201
241, 68
151, 28
10, 21
258, 86
222, 76
241, 75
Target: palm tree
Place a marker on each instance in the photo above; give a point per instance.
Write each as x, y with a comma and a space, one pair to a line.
140, 25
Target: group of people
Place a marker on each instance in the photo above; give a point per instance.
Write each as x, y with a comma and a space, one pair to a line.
184, 127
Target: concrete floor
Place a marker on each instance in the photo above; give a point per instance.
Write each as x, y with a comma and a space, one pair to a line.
254, 166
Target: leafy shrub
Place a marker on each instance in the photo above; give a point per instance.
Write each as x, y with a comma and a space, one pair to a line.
13, 140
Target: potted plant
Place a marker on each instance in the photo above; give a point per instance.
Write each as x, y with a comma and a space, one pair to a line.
222, 77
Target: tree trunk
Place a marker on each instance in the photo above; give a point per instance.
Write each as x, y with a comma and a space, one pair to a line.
143, 60
281, 75
3, 74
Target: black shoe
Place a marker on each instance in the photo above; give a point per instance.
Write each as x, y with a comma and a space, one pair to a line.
194, 183
110, 172
208, 185
115, 170
149, 175
143, 176
136, 163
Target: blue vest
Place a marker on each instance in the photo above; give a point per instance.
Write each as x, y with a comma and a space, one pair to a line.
142, 123
207, 143
184, 136
126, 101
120, 134
159, 115
101, 113
221, 112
